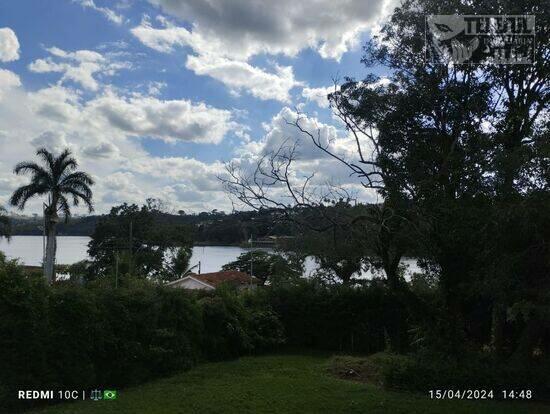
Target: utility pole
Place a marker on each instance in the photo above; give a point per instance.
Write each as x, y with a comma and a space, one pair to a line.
251, 261
43, 234
116, 269
131, 243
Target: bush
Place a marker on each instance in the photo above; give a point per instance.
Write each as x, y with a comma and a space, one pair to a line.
236, 323
335, 318
24, 331
69, 336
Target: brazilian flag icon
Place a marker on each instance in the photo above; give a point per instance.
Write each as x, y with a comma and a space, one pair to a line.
109, 394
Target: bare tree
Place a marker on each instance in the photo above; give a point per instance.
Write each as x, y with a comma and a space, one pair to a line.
274, 183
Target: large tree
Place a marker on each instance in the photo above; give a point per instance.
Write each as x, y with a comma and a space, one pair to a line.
134, 240
58, 180
460, 154
268, 267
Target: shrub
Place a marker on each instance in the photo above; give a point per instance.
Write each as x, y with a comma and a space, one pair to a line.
70, 336
224, 331
24, 331
335, 318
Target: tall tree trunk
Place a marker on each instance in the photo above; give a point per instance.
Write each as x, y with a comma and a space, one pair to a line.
527, 341
51, 248
497, 327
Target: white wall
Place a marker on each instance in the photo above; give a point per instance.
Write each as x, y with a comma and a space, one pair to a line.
190, 284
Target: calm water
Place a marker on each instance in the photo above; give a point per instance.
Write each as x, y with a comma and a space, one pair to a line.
71, 249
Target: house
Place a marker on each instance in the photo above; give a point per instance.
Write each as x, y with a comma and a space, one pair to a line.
209, 281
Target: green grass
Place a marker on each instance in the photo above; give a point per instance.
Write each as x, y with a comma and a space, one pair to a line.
276, 384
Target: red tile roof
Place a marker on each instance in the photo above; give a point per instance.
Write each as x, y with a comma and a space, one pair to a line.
229, 276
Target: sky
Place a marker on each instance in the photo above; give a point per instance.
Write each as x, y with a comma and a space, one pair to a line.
155, 97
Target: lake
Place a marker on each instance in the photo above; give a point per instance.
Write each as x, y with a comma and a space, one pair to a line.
71, 249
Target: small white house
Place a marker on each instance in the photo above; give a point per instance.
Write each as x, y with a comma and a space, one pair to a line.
209, 281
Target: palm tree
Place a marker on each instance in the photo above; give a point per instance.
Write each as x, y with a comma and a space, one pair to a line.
60, 182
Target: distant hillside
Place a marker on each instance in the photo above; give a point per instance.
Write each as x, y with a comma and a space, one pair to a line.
77, 226
209, 227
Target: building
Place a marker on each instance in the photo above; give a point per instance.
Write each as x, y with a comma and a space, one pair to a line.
210, 281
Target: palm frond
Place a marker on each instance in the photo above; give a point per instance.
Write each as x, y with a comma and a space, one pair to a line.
20, 196
48, 158
57, 178
32, 167
64, 207
65, 162
76, 178
85, 196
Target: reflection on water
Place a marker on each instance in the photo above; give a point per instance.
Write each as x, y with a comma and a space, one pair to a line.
71, 249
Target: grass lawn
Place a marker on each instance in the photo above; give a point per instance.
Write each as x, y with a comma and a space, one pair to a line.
276, 384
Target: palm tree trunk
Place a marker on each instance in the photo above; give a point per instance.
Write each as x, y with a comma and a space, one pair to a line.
51, 247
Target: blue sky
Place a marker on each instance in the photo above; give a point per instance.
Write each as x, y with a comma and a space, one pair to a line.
154, 96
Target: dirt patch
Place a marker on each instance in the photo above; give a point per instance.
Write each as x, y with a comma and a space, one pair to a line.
368, 369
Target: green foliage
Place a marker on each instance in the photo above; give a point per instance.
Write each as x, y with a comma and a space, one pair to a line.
23, 330
337, 251
57, 176
70, 336
265, 266
180, 261
233, 324
476, 198
131, 238
337, 317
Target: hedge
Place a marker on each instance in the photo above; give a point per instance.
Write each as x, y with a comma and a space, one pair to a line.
73, 337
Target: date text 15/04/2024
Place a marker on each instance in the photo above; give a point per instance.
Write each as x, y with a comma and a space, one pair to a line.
480, 394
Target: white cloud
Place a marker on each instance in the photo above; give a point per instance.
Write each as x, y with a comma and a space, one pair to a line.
55, 104
239, 76
108, 13
165, 39
169, 120
8, 80
101, 132
243, 28
121, 186
225, 35
282, 132
101, 150
58, 117
112, 115
326, 172
9, 45
79, 67
318, 95
52, 141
